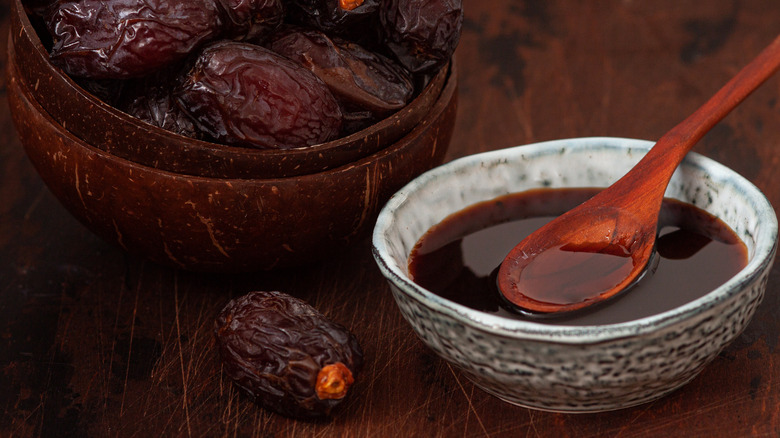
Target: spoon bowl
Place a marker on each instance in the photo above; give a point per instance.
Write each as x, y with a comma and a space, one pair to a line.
605, 243
651, 266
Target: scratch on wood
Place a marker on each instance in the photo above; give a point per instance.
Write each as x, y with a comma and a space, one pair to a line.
34, 204
522, 114
130, 344
468, 399
532, 422
682, 418
113, 345
181, 354
635, 418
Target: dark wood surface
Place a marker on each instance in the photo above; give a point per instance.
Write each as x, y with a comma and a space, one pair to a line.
94, 342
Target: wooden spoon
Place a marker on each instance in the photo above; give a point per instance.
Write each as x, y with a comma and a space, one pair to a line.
597, 249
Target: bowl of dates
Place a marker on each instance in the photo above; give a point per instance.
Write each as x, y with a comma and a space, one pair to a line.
439, 240
257, 144
232, 88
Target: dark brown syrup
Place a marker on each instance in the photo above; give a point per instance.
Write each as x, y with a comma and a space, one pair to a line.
565, 275
457, 258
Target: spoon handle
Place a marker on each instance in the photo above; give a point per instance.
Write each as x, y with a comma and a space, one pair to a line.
622, 219
661, 161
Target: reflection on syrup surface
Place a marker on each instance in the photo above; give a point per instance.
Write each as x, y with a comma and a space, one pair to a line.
457, 258
561, 275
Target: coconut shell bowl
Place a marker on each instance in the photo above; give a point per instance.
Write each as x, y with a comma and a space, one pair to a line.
202, 206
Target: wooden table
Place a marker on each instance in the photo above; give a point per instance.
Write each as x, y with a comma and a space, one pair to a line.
94, 342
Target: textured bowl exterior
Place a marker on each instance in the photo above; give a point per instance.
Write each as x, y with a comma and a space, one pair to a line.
217, 224
576, 368
115, 132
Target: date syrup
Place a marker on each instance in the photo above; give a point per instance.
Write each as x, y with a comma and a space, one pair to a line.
458, 258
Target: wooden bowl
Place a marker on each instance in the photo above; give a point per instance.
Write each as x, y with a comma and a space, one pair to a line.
220, 224
127, 137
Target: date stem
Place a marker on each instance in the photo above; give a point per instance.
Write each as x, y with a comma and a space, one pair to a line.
333, 381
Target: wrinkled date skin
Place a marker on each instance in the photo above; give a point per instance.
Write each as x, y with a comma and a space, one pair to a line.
247, 95
252, 20
120, 39
107, 90
423, 34
340, 17
360, 79
286, 354
151, 100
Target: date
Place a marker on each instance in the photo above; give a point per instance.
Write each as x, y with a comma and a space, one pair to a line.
246, 95
107, 90
151, 100
339, 17
119, 39
251, 20
360, 79
288, 356
423, 34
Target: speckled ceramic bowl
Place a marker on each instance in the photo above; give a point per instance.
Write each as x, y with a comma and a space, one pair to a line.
575, 368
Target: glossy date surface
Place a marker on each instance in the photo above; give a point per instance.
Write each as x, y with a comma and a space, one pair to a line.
359, 78
423, 34
252, 20
246, 95
151, 100
120, 39
340, 17
365, 59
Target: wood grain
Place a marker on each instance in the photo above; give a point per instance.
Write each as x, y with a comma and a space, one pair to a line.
94, 342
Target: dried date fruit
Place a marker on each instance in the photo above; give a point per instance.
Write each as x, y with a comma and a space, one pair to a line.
107, 90
286, 354
360, 79
120, 39
151, 100
423, 34
357, 120
246, 95
252, 20
341, 17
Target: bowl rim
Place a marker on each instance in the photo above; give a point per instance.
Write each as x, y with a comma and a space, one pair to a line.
438, 107
764, 253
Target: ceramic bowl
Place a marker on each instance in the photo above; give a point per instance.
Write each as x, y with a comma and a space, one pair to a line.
223, 224
575, 368
113, 131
